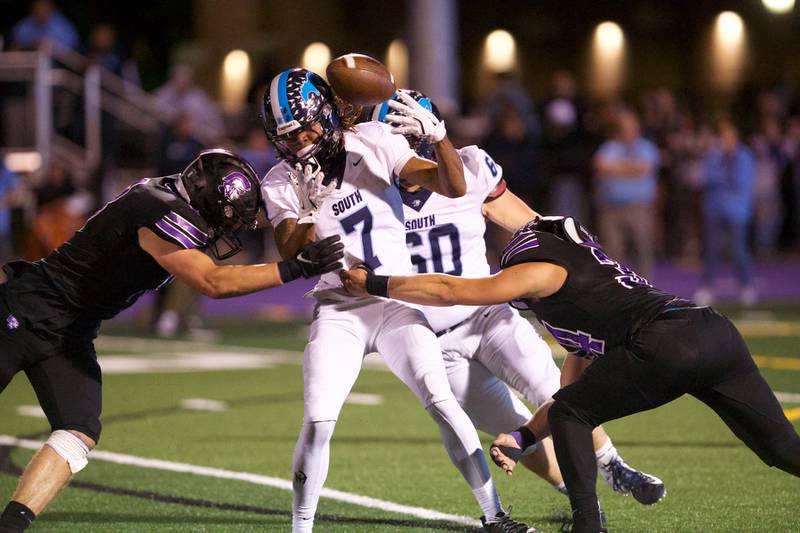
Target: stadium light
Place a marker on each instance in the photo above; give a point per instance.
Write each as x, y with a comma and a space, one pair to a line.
316, 57
500, 52
397, 62
235, 77
727, 50
779, 7
609, 39
607, 63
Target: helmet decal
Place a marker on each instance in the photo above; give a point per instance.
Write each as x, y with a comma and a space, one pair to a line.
235, 185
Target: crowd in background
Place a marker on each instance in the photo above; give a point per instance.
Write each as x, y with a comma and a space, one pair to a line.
656, 177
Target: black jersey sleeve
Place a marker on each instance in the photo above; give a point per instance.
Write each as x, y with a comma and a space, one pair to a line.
169, 217
537, 246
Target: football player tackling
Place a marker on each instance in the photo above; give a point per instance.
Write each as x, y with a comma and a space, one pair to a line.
632, 348
51, 309
337, 179
486, 347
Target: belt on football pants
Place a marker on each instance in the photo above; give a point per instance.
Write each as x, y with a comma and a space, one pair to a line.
455, 326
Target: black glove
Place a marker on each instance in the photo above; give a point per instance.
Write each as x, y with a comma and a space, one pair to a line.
313, 259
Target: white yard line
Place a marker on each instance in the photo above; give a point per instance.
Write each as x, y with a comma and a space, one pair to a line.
788, 397
256, 479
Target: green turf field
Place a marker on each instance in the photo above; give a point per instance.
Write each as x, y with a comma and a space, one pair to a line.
389, 452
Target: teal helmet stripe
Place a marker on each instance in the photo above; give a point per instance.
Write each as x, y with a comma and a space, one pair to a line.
279, 99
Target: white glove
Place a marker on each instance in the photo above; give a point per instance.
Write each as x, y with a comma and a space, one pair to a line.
307, 184
415, 120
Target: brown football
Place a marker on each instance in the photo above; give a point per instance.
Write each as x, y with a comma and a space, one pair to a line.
360, 80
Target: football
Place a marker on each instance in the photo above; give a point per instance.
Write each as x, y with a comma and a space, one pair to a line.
360, 80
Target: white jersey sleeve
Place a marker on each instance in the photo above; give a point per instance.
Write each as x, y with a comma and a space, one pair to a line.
486, 174
279, 196
392, 151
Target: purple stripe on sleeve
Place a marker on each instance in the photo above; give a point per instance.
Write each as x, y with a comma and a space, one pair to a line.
192, 230
526, 244
175, 234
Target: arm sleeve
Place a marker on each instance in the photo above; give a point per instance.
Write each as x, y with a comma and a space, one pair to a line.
279, 196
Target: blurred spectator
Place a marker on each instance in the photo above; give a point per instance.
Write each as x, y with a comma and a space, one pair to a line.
771, 162
565, 152
625, 171
790, 184
508, 93
44, 22
258, 151
101, 48
8, 184
728, 176
61, 210
180, 96
684, 151
179, 147
513, 147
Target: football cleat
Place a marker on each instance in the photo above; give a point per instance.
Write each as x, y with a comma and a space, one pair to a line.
503, 523
646, 489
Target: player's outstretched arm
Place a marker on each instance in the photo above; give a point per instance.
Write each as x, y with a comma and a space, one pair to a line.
528, 280
216, 281
508, 211
446, 176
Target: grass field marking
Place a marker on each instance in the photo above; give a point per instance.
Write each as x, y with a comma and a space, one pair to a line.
788, 397
256, 479
777, 363
792, 414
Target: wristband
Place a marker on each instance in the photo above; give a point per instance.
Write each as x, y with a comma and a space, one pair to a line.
377, 285
289, 270
524, 437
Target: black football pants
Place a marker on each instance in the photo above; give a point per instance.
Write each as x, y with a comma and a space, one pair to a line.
67, 384
693, 351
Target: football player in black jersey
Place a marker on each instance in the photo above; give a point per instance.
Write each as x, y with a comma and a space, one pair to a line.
631, 348
50, 310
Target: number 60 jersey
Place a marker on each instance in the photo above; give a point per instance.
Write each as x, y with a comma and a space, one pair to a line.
445, 235
366, 209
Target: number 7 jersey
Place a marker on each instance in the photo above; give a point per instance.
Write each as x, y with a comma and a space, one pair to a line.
446, 235
365, 209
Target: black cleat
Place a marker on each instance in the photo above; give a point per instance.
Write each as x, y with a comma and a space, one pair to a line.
646, 489
503, 523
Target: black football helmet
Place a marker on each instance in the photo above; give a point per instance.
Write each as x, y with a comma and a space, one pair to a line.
224, 189
423, 149
295, 100
563, 227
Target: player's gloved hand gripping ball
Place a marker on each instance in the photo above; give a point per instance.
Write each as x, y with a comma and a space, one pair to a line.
414, 119
306, 180
313, 259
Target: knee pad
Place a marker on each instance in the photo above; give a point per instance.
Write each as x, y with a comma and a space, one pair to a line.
70, 448
561, 410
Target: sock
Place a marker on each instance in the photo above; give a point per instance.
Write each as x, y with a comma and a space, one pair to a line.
561, 488
487, 498
16, 517
606, 453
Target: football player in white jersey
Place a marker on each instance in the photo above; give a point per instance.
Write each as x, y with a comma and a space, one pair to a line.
338, 179
486, 348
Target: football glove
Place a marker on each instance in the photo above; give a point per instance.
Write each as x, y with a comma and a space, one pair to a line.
313, 259
413, 119
306, 180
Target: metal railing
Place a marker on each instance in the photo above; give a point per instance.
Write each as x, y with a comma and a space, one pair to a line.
102, 91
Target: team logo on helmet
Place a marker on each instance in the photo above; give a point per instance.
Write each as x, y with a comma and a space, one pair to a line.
234, 186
